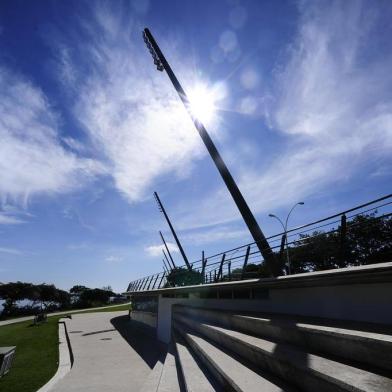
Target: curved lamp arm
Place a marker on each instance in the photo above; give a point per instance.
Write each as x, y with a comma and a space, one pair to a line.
280, 221
292, 209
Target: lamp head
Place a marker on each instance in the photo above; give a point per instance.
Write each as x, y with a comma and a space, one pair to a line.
301, 203
151, 49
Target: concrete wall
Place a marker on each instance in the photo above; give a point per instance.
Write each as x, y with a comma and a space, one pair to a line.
357, 293
358, 302
147, 318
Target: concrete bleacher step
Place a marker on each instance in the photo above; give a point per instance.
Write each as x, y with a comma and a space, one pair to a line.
307, 371
194, 378
152, 382
351, 341
169, 380
229, 373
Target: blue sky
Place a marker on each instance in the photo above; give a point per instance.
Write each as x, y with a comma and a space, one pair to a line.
89, 129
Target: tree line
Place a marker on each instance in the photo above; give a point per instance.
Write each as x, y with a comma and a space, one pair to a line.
367, 239
47, 297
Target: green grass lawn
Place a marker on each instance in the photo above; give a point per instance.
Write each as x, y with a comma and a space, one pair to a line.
36, 354
36, 357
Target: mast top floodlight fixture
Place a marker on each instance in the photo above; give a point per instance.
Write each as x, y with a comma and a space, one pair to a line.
158, 202
154, 55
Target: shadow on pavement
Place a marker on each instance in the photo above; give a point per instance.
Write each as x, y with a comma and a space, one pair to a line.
147, 346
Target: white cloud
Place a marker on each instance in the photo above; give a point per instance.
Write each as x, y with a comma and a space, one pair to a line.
78, 246
10, 220
217, 234
156, 250
10, 251
335, 106
114, 259
332, 102
32, 159
130, 111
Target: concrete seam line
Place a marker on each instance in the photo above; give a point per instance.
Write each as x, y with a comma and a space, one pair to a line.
65, 358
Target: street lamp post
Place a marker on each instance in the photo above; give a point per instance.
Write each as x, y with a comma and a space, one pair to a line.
258, 236
284, 225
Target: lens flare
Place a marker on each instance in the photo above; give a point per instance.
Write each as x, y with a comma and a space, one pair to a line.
202, 103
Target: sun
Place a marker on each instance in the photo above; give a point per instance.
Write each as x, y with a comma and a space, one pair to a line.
202, 103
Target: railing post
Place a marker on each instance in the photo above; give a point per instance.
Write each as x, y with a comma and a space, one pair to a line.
160, 282
283, 242
245, 262
149, 283
153, 286
203, 265
343, 234
220, 272
145, 283
229, 269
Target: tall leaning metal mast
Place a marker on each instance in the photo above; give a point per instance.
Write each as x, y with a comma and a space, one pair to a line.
254, 228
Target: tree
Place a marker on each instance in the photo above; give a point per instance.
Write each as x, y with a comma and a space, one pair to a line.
78, 289
181, 276
11, 293
48, 296
94, 297
63, 298
367, 241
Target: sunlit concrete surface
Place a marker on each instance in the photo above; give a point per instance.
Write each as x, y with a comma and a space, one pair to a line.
109, 354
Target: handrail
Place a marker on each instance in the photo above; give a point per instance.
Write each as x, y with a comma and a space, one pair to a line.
223, 265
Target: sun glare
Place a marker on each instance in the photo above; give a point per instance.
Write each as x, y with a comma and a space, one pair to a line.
202, 103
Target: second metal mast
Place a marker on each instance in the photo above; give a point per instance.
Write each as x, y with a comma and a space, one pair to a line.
162, 209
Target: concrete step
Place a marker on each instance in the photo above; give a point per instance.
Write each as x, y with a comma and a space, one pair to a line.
169, 381
307, 371
194, 379
228, 370
152, 382
231, 374
352, 341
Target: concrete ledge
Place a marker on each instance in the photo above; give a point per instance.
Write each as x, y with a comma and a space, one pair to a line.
65, 358
374, 273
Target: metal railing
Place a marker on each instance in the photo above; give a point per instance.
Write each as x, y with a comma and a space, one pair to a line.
246, 261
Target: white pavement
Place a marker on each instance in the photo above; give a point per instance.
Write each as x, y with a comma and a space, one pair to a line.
21, 319
110, 354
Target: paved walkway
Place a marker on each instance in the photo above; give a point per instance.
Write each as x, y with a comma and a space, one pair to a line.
109, 354
20, 319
